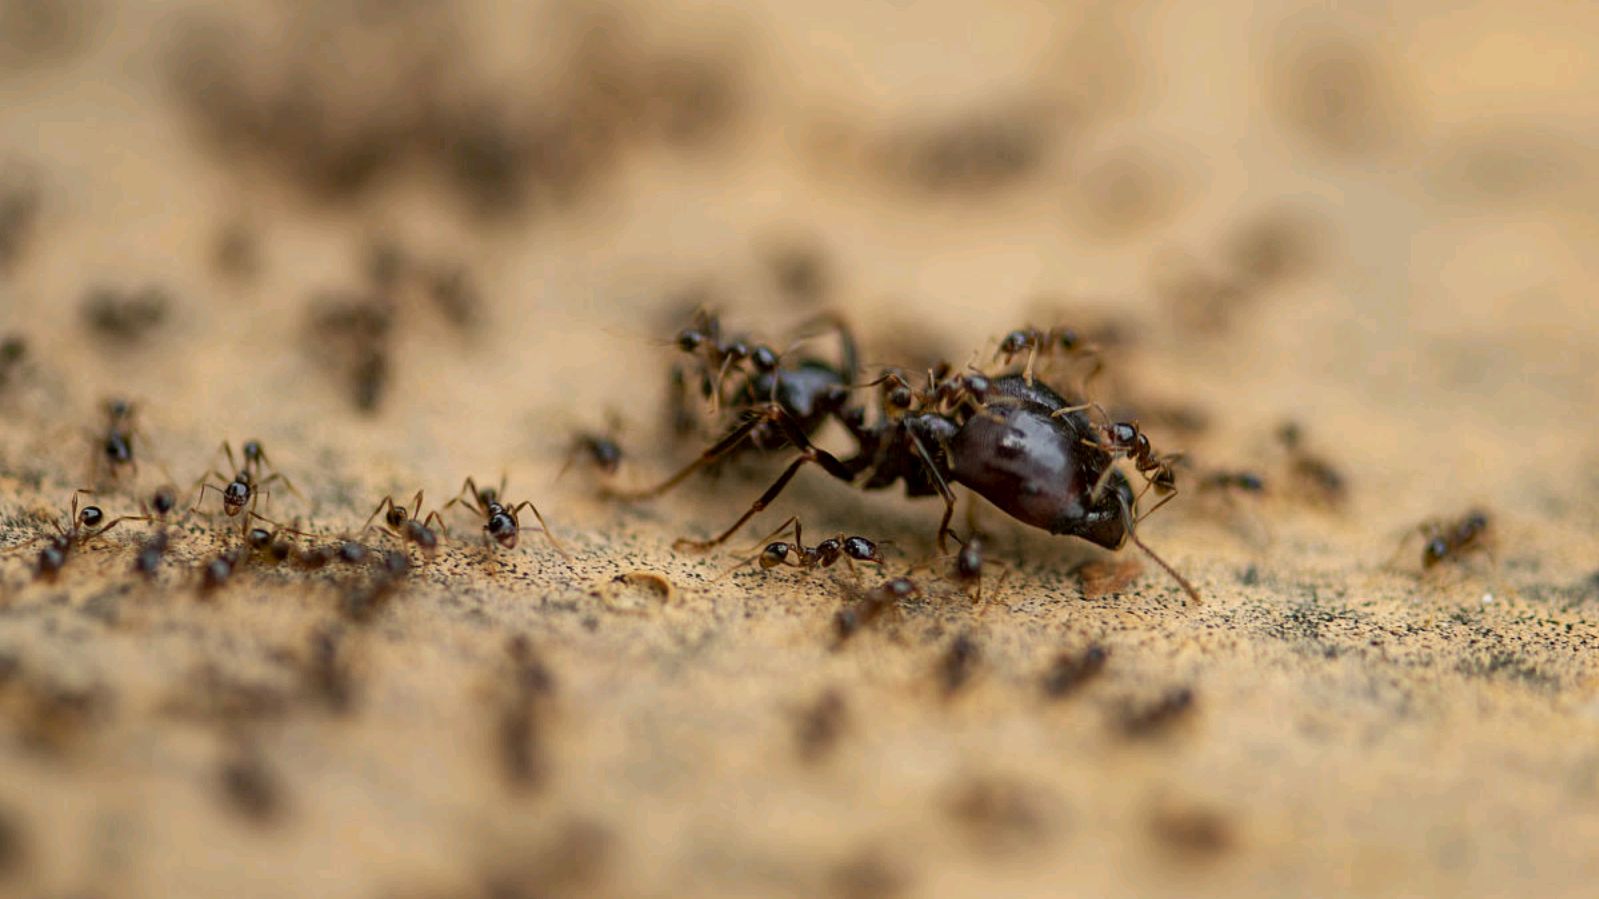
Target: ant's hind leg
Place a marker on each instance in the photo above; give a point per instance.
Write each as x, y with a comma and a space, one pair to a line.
717, 450
545, 527
808, 453
387, 501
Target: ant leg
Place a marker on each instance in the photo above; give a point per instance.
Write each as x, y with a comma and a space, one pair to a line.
716, 451
387, 501
808, 453
435, 520
227, 447
204, 485
849, 354
943, 491
468, 488
548, 534
1163, 501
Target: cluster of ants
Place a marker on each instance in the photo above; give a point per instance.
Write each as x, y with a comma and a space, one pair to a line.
1048, 461
262, 539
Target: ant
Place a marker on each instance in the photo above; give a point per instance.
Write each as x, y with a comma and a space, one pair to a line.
1070, 672
83, 525
1022, 447
154, 549
851, 549
871, 604
363, 603
247, 485
956, 665
1148, 720
1316, 474
1243, 481
220, 569
1123, 438
1034, 342
13, 352
500, 522
1451, 539
116, 439
401, 523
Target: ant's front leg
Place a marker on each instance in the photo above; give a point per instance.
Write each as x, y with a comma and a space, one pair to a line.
544, 525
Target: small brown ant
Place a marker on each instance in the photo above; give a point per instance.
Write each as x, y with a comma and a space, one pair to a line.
247, 485
401, 524
1070, 672
1125, 439
83, 525
1451, 539
849, 548
500, 522
872, 604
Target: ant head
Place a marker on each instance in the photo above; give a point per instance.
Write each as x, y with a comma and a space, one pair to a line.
258, 538
765, 358
969, 561
1250, 481
977, 385
1068, 339
1434, 552
252, 451
117, 407
1124, 433
1015, 342
235, 495
503, 528
395, 563
862, 550
689, 340
1476, 520
164, 501
51, 560
396, 516
351, 552
488, 496
774, 554
91, 516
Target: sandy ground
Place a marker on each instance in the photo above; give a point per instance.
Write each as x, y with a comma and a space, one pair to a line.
1378, 224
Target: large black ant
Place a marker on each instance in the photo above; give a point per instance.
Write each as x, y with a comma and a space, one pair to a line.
849, 548
246, 485
500, 522
1016, 443
401, 523
83, 525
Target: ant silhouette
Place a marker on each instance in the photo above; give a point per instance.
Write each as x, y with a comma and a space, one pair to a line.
500, 522
246, 486
116, 438
401, 523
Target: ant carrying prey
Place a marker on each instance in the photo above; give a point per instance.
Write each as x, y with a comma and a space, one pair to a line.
246, 485
500, 522
1017, 443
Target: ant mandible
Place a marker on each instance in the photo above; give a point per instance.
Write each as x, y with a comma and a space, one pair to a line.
83, 525
401, 523
500, 522
246, 485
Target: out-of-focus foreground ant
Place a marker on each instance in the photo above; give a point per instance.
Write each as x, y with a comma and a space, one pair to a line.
82, 526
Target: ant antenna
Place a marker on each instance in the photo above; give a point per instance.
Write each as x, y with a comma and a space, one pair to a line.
1182, 581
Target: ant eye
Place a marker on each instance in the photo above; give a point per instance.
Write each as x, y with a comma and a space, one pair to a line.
252, 450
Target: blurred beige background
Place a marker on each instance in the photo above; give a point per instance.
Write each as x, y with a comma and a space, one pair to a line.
1377, 221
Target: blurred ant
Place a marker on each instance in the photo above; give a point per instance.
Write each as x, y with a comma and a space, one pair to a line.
500, 522
361, 603
116, 439
1449, 540
1314, 473
401, 524
1035, 342
871, 604
13, 351
849, 548
599, 450
83, 525
1148, 720
218, 570
1070, 672
966, 568
154, 549
246, 485
956, 665
1241, 481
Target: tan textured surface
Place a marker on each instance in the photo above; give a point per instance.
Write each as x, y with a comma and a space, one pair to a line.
1357, 729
